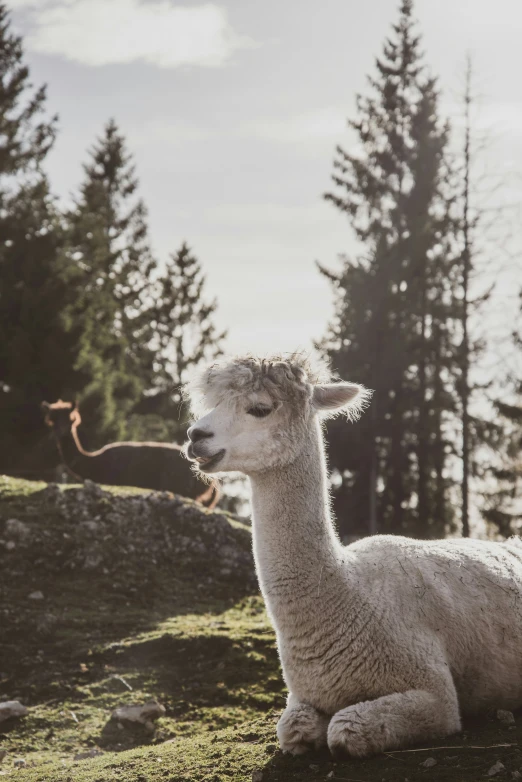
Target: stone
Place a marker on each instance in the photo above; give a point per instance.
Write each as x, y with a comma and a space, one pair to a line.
10, 545
257, 775
506, 717
46, 623
10, 709
92, 753
52, 493
14, 528
92, 489
143, 714
20, 763
496, 769
90, 526
36, 595
428, 763
516, 775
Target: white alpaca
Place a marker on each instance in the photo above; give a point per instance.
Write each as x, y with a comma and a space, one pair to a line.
385, 642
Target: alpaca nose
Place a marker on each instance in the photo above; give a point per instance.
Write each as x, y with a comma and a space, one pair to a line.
198, 434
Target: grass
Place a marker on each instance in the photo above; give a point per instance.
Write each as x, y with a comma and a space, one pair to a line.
171, 624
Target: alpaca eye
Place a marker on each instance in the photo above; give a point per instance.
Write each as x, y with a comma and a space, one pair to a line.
259, 412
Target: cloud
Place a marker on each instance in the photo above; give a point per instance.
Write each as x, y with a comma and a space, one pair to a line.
326, 123
108, 32
320, 125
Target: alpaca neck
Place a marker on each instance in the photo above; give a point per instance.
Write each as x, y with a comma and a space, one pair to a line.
74, 456
295, 544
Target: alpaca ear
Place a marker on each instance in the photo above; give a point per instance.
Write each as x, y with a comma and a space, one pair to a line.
334, 397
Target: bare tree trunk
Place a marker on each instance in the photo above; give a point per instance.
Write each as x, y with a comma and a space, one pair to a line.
466, 262
423, 433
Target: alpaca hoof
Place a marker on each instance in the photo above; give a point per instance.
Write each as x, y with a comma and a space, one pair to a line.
301, 729
347, 737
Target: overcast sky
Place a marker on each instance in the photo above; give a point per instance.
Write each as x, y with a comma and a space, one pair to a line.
232, 111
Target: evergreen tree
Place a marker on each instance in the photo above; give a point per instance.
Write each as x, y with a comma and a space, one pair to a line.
502, 495
35, 350
395, 310
108, 241
483, 435
184, 334
503, 501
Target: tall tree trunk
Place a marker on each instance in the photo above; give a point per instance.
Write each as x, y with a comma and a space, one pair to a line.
439, 504
423, 429
466, 262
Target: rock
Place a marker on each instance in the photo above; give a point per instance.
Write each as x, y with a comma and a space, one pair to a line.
143, 714
93, 561
36, 595
506, 717
52, 493
46, 623
92, 753
257, 775
20, 763
92, 489
3, 753
90, 526
10, 545
16, 529
496, 769
428, 763
516, 775
330, 775
10, 709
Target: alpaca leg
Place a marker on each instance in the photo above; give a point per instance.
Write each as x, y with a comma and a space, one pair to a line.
301, 727
394, 721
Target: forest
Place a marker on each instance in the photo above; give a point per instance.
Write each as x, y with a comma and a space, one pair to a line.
89, 313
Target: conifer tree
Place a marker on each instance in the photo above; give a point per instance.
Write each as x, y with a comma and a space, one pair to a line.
503, 499
484, 433
394, 323
184, 333
502, 495
108, 241
35, 350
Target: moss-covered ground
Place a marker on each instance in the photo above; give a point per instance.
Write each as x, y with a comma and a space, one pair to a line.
185, 631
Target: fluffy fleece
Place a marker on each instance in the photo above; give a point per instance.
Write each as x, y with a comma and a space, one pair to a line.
383, 643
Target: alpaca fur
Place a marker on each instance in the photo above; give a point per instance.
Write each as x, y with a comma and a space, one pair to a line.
159, 466
385, 642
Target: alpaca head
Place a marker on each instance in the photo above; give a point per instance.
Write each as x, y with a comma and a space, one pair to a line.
61, 416
255, 414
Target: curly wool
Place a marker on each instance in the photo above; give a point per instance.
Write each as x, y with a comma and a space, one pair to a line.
284, 378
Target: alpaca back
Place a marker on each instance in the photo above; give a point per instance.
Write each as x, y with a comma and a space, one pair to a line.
157, 466
465, 595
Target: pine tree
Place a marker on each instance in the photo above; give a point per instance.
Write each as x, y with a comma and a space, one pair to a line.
184, 334
502, 495
35, 350
503, 501
394, 323
108, 241
484, 433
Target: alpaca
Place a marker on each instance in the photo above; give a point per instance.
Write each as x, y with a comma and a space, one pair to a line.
158, 466
385, 642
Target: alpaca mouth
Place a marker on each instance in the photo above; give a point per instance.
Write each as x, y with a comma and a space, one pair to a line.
206, 463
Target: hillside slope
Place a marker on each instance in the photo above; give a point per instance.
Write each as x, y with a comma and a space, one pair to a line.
115, 597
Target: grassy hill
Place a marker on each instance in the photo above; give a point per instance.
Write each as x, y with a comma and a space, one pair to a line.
114, 597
